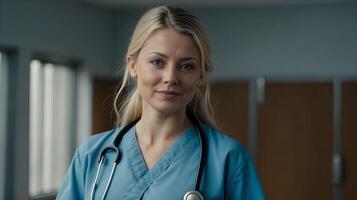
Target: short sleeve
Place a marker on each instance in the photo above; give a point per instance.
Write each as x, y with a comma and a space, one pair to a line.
243, 182
73, 185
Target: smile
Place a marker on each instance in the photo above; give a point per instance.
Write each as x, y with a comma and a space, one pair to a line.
168, 94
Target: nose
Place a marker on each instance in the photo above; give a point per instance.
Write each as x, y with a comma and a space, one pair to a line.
171, 76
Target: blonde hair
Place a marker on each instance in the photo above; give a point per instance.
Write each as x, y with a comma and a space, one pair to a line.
183, 22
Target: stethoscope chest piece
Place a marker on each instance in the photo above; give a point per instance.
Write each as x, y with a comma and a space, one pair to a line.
193, 195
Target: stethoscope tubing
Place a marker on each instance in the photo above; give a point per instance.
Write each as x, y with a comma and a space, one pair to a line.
115, 147
203, 149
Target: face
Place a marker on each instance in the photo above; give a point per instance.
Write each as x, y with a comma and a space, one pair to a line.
167, 70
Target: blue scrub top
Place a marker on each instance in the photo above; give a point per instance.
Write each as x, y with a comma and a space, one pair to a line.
229, 173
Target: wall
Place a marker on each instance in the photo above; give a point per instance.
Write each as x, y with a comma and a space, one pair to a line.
61, 30
301, 40
3, 121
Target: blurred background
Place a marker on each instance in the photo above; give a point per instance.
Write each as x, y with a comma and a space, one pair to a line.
284, 85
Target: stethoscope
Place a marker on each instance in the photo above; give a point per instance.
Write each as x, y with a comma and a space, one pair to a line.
190, 195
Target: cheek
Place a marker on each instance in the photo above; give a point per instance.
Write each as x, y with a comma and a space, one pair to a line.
145, 76
193, 80
191, 85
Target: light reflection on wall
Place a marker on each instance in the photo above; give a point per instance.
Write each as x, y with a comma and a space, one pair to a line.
3, 120
52, 101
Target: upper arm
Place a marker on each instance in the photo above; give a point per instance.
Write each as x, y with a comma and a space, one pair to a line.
243, 182
73, 185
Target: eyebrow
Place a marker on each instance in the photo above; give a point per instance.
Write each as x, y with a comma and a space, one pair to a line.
165, 56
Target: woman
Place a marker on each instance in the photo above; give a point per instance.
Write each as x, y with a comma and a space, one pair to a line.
160, 152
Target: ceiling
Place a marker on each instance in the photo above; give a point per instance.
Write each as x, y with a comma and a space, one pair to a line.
208, 3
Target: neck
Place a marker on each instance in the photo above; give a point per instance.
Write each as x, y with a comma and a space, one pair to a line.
154, 128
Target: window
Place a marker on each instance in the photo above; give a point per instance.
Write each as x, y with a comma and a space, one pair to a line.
54, 123
3, 120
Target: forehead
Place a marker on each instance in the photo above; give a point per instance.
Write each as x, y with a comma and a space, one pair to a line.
170, 43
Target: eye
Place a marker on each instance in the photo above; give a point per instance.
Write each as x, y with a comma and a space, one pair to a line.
157, 62
187, 67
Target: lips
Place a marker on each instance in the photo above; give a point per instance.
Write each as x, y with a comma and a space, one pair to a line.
169, 92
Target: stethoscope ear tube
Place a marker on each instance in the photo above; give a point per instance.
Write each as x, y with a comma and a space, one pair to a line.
113, 147
94, 187
196, 194
204, 149
100, 165
110, 148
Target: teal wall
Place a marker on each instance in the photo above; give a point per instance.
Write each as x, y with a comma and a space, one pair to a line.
61, 28
284, 41
126, 20
292, 41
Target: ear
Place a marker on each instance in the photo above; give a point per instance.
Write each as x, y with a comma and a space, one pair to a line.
131, 66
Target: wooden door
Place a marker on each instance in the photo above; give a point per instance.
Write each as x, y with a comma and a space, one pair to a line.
349, 139
231, 106
295, 141
103, 117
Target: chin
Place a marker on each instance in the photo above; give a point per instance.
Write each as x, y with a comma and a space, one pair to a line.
169, 109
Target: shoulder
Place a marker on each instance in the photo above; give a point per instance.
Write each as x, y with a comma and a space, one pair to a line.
220, 141
97, 142
235, 163
224, 149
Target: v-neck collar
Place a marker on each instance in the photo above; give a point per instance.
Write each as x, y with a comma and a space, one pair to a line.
137, 159
144, 177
